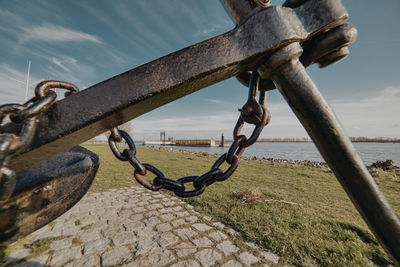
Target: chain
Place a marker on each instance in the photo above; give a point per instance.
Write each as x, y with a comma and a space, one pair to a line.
25, 115
253, 112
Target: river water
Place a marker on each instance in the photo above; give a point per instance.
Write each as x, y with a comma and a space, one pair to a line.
369, 152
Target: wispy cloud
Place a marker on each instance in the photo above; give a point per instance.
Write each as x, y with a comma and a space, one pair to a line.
215, 101
372, 116
54, 33
216, 28
12, 85
60, 64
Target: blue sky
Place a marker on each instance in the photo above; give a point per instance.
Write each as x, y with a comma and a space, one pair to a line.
85, 42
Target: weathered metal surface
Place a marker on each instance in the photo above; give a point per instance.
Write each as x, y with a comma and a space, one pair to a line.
325, 48
112, 102
239, 10
286, 68
318, 119
259, 116
46, 191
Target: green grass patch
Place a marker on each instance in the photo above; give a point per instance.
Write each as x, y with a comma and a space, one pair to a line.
302, 214
41, 245
87, 227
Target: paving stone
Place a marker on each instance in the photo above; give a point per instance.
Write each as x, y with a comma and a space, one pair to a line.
60, 244
145, 233
48, 235
141, 204
82, 262
111, 231
98, 245
124, 238
163, 227
17, 255
137, 263
184, 249
61, 225
130, 217
132, 226
219, 225
227, 247
160, 257
152, 213
136, 217
139, 209
192, 219
166, 239
182, 213
186, 263
62, 256
178, 222
185, 233
152, 221
270, 256
207, 218
202, 242
115, 256
165, 210
70, 230
124, 212
217, 236
201, 227
89, 236
248, 258
116, 221
232, 263
169, 203
36, 262
145, 245
167, 217
208, 257
155, 206
42, 230
177, 208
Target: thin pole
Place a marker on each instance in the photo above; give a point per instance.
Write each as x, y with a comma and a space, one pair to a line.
27, 81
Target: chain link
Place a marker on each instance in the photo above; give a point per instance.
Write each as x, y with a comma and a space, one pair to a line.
26, 114
253, 112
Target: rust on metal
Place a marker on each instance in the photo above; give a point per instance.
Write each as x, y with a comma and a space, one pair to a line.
121, 98
46, 191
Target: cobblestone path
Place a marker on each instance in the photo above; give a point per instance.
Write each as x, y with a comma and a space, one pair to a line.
136, 227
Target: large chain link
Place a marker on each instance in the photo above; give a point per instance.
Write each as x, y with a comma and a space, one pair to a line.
253, 112
26, 115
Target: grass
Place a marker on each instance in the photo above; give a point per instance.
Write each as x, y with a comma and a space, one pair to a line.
41, 245
300, 213
303, 214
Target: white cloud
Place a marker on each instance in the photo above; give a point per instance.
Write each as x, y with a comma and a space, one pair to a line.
373, 117
54, 33
60, 64
12, 91
215, 101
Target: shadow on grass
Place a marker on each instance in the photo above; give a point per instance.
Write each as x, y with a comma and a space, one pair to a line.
377, 257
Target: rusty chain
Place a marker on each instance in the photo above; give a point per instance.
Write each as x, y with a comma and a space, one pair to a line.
253, 112
26, 115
